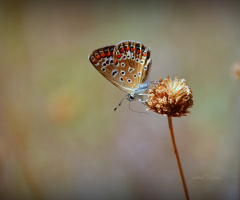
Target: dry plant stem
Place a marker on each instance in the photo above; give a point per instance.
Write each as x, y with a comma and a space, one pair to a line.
177, 157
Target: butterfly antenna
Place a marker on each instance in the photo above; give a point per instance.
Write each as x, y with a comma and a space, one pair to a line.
135, 110
119, 104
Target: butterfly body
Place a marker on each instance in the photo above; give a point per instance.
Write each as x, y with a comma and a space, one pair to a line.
126, 65
137, 93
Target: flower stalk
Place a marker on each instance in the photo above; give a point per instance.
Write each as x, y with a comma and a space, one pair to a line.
177, 157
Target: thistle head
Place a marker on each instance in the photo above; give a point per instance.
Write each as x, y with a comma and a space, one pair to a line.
170, 98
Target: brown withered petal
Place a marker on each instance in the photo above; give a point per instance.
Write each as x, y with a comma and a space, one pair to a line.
171, 98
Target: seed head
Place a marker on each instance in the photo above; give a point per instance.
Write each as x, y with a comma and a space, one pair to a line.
171, 98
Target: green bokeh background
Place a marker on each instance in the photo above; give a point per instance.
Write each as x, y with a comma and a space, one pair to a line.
59, 136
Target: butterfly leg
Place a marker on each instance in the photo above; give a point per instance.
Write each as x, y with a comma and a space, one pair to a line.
141, 99
154, 82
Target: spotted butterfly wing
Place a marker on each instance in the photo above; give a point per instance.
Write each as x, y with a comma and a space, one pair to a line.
102, 60
126, 65
134, 61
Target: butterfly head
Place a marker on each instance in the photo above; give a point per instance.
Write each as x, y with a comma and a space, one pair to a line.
139, 92
130, 97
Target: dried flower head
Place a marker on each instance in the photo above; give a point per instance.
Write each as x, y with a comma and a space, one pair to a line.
236, 70
171, 98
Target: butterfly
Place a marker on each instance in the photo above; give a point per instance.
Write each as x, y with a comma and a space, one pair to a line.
126, 65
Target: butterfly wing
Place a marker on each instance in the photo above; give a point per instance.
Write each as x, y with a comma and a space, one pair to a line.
102, 60
126, 65
134, 61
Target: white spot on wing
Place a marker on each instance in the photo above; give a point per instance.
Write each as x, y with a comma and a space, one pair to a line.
114, 73
130, 69
121, 79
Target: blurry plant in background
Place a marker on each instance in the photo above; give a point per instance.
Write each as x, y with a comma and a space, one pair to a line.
236, 71
61, 107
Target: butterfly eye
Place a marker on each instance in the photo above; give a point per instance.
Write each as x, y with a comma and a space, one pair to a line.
104, 64
122, 64
139, 73
111, 61
145, 67
137, 60
133, 58
123, 73
103, 69
124, 57
142, 61
129, 80
135, 75
128, 56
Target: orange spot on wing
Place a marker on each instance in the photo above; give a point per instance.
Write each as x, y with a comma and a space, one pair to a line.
139, 51
108, 54
118, 56
98, 57
132, 49
95, 61
116, 61
102, 55
144, 54
122, 50
127, 48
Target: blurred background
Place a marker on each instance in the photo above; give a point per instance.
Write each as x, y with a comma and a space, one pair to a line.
59, 136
